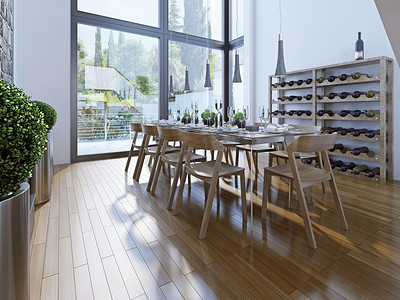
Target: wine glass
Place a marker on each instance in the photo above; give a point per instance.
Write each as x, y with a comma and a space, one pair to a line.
231, 113
218, 107
209, 116
178, 113
262, 114
196, 112
245, 114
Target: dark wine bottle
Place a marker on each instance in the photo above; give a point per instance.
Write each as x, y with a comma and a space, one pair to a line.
308, 112
356, 113
291, 112
344, 112
373, 172
357, 132
290, 98
372, 133
331, 130
331, 78
299, 112
332, 95
321, 79
343, 95
299, 98
359, 150
345, 131
320, 97
346, 166
275, 112
338, 146
283, 83
308, 80
359, 51
326, 111
290, 83
299, 82
371, 113
357, 94
337, 163
343, 77
359, 169
308, 96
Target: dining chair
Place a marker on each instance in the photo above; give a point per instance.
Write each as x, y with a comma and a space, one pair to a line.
305, 176
208, 171
149, 131
166, 136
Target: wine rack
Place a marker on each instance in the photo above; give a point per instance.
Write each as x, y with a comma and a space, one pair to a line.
376, 75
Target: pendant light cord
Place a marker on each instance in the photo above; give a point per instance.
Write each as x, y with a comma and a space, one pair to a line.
237, 21
280, 17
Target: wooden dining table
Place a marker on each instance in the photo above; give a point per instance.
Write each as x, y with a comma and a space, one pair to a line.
245, 137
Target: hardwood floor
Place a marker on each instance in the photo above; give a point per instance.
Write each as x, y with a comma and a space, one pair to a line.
102, 236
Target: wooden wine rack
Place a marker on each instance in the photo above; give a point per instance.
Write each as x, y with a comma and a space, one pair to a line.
382, 77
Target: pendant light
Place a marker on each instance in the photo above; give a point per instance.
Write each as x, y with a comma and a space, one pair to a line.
236, 73
187, 86
280, 65
171, 84
207, 83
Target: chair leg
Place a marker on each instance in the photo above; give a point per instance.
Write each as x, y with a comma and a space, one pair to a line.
173, 188
270, 157
266, 188
178, 201
139, 159
255, 159
218, 194
338, 204
248, 159
290, 193
243, 195
306, 217
189, 182
150, 161
207, 210
157, 175
237, 157
226, 154
230, 155
129, 158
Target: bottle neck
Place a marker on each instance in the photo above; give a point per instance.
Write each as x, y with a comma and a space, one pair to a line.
359, 35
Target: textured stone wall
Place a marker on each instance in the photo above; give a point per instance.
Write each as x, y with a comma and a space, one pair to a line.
6, 39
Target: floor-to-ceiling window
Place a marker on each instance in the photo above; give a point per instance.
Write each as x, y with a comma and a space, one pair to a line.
126, 53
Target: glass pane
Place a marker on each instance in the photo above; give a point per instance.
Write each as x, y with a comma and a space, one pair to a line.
194, 58
117, 83
237, 19
238, 87
128, 10
196, 17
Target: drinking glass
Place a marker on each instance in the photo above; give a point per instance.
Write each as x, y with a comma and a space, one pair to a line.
231, 113
245, 114
262, 114
209, 116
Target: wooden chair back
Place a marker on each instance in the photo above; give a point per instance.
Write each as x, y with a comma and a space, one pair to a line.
169, 134
201, 141
150, 130
313, 143
136, 127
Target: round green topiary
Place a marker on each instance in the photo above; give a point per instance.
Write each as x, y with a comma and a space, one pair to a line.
50, 114
22, 137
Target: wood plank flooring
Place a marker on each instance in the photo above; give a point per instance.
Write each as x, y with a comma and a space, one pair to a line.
102, 236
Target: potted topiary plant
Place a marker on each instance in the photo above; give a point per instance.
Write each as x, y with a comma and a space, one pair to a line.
42, 178
22, 143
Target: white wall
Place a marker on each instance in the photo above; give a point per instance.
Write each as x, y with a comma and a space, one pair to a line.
318, 33
42, 61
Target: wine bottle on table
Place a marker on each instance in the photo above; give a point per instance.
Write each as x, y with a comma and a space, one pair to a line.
359, 51
359, 169
359, 150
332, 95
308, 80
290, 83
343, 77
347, 166
299, 82
372, 133
371, 113
321, 79
373, 172
337, 163
358, 132
344, 112
331, 78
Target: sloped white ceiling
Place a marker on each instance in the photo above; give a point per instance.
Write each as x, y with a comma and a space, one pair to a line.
389, 11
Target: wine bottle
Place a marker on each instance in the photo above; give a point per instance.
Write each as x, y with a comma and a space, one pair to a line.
275, 112
345, 131
298, 98
275, 85
371, 94
332, 95
308, 96
337, 147
308, 112
290, 83
346, 166
359, 150
359, 169
326, 111
358, 132
343, 95
299, 112
371, 113
359, 51
356, 113
308, 80
337, 163
331, 78
372, 133
283, 83
321, 79
320, 97
290, 98
357, 94
356, 75
291, 112
307, 161
343, 77
331, 130
344, 112
373, 172
283, 98
299, 82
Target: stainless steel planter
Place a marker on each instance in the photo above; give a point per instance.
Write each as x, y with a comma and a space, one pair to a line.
14, 245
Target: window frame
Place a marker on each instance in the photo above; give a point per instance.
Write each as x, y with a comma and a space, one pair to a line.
164, 35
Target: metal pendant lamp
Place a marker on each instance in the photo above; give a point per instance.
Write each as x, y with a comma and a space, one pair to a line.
187, 86
236, 73
171, 84
280, 65
207, 83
